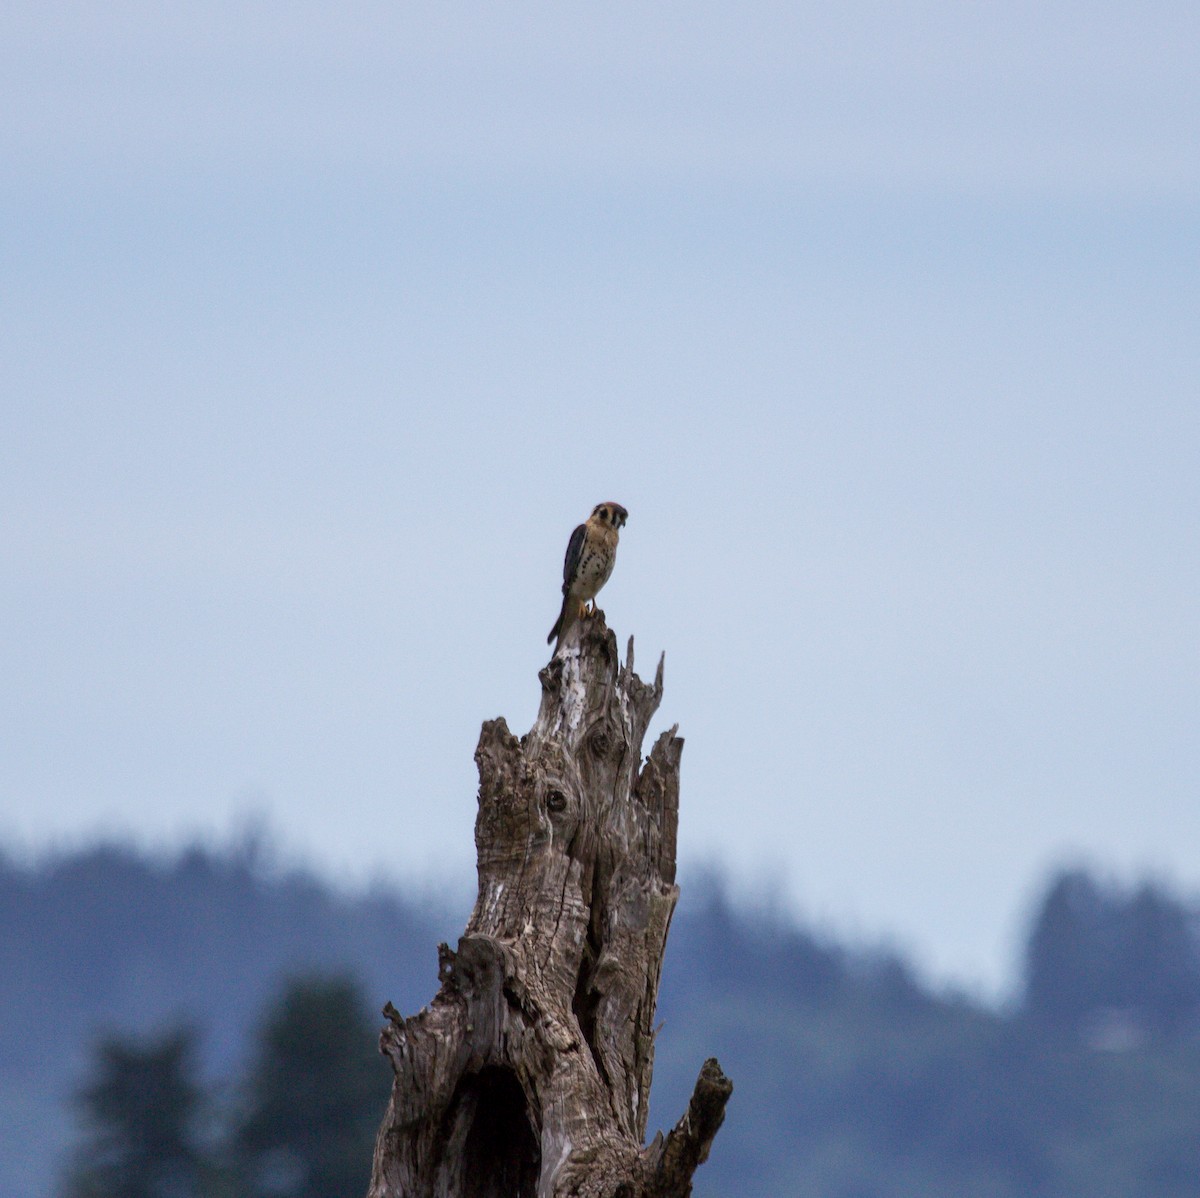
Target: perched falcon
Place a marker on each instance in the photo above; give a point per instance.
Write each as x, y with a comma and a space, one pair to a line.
591, 553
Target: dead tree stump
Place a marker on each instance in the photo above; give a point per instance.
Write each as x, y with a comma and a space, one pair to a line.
528, 1076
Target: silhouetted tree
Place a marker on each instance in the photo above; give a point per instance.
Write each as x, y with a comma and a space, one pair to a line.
141, 1110
1159, 964
1095, 950
316, 1089
1068, 951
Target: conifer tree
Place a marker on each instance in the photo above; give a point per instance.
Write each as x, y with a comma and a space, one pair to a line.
316, 1089
142, 1113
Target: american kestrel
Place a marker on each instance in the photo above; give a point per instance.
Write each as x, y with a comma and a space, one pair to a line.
591, 553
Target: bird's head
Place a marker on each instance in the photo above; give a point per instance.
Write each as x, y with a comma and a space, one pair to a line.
612, 514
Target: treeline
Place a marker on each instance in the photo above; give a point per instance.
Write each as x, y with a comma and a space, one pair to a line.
853, 1080
110, 937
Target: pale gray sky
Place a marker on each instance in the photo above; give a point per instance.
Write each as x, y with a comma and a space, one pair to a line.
321, 328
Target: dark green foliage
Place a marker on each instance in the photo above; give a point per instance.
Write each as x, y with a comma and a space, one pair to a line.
141, 1111
316, 1093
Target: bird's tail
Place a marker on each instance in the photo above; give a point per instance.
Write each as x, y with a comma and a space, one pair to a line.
560, 623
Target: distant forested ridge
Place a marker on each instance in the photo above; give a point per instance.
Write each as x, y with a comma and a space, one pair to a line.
852, 1079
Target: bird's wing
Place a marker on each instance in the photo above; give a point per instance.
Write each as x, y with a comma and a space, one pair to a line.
574, 553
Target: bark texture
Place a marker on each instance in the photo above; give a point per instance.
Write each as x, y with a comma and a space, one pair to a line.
528, 1076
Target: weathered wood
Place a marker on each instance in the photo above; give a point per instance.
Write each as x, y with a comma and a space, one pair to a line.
528, 1076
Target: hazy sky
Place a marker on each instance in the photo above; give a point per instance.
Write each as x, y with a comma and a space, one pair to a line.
322, 326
